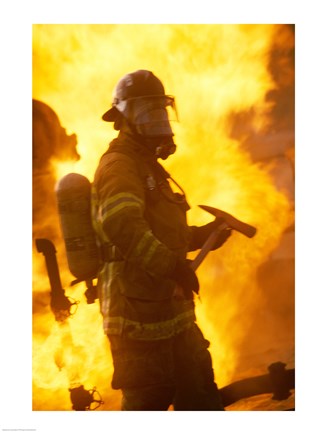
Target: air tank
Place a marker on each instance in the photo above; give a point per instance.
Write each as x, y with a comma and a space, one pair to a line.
73, 193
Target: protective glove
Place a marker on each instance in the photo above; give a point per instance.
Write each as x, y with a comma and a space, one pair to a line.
201, 234
186, 278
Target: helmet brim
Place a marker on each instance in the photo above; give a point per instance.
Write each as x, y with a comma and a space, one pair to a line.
110, 115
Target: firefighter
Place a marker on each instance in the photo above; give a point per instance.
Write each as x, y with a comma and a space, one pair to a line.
145, 283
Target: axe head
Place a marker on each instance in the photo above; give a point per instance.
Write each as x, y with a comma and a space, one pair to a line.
231, 221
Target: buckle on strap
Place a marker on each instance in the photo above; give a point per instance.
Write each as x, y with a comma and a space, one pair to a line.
109, 253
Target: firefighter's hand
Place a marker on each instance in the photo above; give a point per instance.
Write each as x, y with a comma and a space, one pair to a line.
222, 237
186, 278
201, 234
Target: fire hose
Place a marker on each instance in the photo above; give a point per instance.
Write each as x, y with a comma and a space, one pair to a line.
278, 381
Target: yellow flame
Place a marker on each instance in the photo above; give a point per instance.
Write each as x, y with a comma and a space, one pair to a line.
214, 71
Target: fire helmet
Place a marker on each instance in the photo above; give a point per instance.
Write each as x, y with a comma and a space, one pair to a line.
140, 97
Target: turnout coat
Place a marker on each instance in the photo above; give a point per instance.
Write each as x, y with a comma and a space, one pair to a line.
142, 229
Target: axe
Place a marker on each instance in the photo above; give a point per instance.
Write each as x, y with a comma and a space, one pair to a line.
228, 222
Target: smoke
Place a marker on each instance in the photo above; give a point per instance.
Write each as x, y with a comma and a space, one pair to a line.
51, 144
271, 330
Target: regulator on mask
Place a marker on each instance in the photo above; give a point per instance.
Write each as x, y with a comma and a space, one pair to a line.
140, 98
161, 146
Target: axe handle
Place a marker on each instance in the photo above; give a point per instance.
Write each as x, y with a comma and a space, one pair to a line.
207, 246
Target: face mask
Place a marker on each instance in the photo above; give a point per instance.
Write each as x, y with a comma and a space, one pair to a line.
151, 115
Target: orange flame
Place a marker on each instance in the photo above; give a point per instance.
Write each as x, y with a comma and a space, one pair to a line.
216, 72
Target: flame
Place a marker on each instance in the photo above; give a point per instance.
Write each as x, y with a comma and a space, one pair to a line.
216, 72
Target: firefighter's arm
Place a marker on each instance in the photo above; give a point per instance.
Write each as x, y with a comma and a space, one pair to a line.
121, 214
